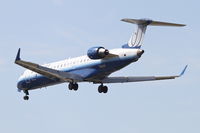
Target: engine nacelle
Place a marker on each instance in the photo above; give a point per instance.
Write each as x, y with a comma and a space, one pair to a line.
97, 52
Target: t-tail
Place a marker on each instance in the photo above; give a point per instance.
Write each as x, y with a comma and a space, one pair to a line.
137, 37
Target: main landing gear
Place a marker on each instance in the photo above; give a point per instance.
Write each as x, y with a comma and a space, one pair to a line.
73, 86
26, 97
103, 89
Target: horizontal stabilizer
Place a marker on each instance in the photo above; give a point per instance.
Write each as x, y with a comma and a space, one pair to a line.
150, 22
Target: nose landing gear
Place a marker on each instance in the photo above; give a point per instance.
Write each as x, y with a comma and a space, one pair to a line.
26, 97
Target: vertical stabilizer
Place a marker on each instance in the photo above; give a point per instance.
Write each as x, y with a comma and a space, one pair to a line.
137, 37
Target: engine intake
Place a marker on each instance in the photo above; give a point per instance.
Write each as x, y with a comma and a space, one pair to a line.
97, 52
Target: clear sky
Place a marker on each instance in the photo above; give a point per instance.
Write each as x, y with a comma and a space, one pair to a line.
51, 30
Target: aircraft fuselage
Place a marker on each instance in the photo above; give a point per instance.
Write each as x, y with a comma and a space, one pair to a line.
90, 70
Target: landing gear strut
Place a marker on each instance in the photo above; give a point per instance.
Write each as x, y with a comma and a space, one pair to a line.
103, 89
26, 97
73, 86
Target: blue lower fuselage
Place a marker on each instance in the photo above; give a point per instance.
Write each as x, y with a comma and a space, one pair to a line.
90, 71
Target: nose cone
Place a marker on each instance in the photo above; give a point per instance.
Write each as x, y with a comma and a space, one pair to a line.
19, 86
140, 52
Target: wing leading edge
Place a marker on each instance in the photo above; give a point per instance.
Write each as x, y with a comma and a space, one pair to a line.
139, 79
48, 72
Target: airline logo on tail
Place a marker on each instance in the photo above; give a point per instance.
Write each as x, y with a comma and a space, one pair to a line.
137, 37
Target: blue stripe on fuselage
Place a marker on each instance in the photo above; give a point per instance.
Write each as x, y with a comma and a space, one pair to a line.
96, 69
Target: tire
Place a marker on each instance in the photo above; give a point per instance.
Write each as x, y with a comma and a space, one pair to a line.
70, 86
26, 97
75, 86
105, 89
100, 89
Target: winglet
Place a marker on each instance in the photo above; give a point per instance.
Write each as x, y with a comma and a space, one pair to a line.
18, 55
183, 71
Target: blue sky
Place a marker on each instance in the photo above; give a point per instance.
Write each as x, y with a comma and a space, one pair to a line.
51, 30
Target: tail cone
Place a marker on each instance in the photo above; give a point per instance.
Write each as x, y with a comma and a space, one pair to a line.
140, 52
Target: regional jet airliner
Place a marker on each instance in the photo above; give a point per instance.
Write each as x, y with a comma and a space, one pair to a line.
95, 67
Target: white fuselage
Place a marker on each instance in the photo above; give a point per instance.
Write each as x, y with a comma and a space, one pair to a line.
84, 66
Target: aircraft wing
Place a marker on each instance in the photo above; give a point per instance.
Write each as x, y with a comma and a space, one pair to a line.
139, 79
48, 72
